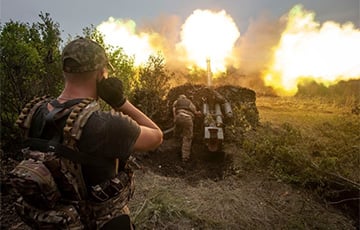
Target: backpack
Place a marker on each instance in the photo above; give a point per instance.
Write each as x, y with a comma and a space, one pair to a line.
49, 181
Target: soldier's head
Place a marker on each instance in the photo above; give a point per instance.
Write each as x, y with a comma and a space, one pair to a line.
83, 59
182, 96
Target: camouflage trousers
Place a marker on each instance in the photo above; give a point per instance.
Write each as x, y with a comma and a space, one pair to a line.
184, 127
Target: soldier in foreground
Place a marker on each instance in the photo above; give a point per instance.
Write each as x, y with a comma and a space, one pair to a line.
82, 151
184, 112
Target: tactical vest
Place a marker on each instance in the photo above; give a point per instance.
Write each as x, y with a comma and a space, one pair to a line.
49, 181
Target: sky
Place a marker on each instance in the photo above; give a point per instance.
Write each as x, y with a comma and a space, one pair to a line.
74, 15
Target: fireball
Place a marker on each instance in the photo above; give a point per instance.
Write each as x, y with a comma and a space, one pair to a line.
122, 33
208, 35
326, 53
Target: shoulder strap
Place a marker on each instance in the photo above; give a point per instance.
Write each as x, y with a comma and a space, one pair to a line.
25, 117
63, 108
59, 111
77, 120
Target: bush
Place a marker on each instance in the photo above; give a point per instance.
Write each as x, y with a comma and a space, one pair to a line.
29, 67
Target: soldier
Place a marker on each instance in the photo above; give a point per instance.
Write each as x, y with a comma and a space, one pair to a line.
184, 111
108, 137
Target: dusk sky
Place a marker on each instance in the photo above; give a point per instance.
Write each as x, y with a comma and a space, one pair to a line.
74, 15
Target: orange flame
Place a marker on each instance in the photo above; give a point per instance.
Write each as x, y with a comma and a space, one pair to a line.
325, 54
208, 35
120, 33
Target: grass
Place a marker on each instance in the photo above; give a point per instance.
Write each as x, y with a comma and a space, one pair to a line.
310, 131
282, 176
245, 202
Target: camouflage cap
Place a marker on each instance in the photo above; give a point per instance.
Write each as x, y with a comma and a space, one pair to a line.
83, 55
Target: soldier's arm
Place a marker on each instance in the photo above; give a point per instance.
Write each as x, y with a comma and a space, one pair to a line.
150, 136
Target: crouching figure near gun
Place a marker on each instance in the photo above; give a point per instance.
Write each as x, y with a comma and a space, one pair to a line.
184, 111
75, 173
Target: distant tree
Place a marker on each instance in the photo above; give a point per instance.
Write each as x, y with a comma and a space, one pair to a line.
48, 48
154, 76
152, 86
29, 66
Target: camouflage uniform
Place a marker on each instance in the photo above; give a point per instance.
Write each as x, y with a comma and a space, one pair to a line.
184, 111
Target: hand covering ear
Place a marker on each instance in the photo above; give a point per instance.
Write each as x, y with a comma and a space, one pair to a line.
111, 91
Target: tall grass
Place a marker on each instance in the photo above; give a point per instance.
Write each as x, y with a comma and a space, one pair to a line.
309, 143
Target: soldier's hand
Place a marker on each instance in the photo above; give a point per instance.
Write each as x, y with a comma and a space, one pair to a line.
111, 91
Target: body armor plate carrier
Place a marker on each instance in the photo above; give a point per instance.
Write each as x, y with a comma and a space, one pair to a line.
49, 180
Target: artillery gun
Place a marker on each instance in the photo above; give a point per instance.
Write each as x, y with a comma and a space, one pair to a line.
221, 107
215, 109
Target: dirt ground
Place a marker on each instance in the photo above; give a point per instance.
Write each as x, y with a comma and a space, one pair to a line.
257, 200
